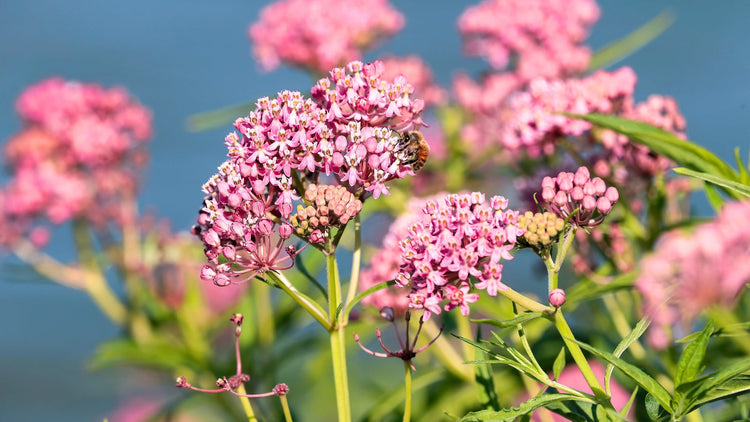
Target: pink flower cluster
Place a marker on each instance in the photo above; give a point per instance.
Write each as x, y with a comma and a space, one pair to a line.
78, 155
319, 35
385, 264
690, 272
459, 237
539, 37
413, 68
346, 131
584, 200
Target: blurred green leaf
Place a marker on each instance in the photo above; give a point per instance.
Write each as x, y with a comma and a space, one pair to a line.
588, 290
559, 364
636, 374
741, 190
220, 117
653, 409
159, 354
483, 372
621, 48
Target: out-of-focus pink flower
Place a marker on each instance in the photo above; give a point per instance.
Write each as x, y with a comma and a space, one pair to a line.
140, 409
419, 76
572, 377
460, 235
78, 156
322, 34
531, 123
539, 37
690, 272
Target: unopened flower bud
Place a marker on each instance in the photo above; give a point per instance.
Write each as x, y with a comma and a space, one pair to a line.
557, 297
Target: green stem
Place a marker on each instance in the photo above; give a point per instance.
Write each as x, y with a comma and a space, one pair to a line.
524, 301
94, 282
49, 267
446, 354
562, 250
285, 407
588, 374
356, 263
407, 391
337, 333
246, 404
264, 312
307, 304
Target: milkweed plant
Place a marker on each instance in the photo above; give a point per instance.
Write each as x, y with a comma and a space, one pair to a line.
333, 235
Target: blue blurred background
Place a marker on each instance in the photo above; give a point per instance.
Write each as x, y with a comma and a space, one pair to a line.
184, 57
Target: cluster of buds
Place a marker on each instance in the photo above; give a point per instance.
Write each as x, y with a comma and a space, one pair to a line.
329, 206
578, 198
540, 230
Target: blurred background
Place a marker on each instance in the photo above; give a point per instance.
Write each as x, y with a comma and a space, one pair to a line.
181, 58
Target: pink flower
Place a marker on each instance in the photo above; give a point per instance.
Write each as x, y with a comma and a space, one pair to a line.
690, 272
542, 37
460, 236
78, 156
585, 201
419, 75
322, 34
347, 132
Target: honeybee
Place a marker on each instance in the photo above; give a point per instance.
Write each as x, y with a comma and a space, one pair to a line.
413, 149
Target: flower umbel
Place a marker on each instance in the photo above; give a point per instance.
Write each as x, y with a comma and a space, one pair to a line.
578, 197
408, 349
460, 236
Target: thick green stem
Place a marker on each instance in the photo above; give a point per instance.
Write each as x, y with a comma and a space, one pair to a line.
356, 263
337, 333
307, 304
285, 407
407, 391
524, 301
264, 314
588, 374
49, 267
94, 282
246, 404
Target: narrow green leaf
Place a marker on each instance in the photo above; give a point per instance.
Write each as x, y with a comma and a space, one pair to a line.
739, 190
631, 338
486, 384
615, 51
588, 290
636, 374
744, 177
662, 142
692, 358
626, 409
714, 197
699, 390
213, 119
524, 408
518, 320
559, 363
371, 290
731, 388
